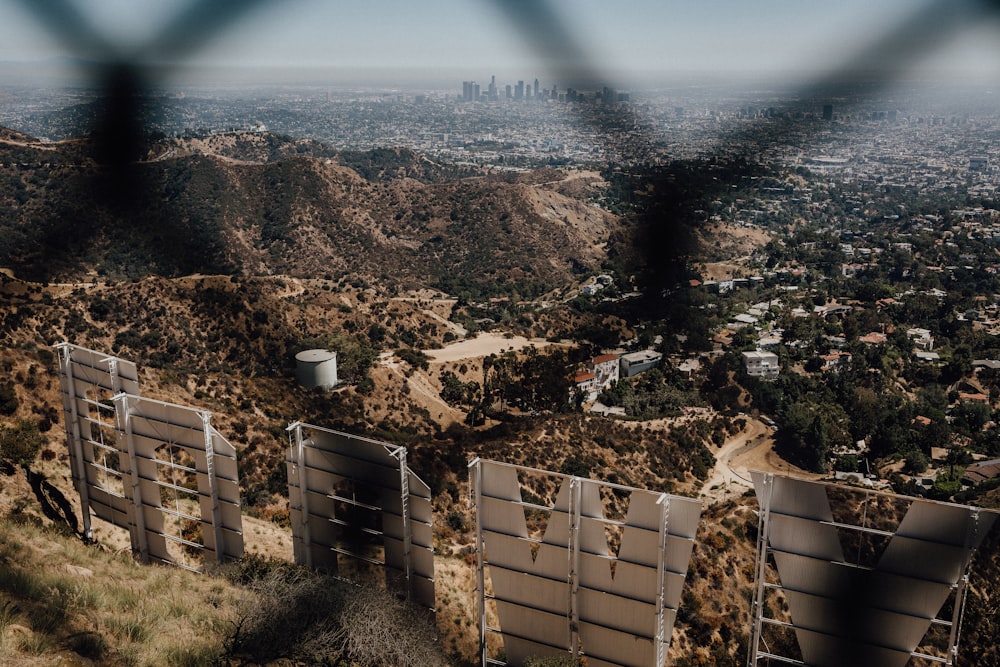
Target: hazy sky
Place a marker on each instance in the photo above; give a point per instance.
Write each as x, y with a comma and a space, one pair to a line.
520, 39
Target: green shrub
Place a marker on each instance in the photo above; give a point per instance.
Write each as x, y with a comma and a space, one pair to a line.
21, 442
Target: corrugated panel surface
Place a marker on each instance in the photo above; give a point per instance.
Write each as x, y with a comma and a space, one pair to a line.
89, 380
156, 427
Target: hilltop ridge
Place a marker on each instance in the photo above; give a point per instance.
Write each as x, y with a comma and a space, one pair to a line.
258, 204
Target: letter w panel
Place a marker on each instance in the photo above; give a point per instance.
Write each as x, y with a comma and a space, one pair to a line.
567, 592
848, 613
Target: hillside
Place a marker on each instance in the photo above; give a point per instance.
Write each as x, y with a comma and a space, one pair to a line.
240, 250
252, 402
254, 204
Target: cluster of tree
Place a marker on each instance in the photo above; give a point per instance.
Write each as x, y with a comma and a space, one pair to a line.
458, 393
20, 442
650, 395
529, 381
819, 412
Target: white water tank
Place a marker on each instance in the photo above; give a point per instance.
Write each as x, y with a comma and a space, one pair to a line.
316, 368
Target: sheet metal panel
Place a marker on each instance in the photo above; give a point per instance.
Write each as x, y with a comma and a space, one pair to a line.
93, 368
503, 517
499, 481
534, 625
630, 580
945, 524
604, 645
519, 650
684, 516
921, 559
845, 614
819, 650
348, 467
157, 426
865, 625
530, 591
678, 554
618, 598
592, 537
805, 536
796, 497
618, 613
109, 507
368, 474
354, 447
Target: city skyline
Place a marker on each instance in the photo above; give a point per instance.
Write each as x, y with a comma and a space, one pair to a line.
563, 43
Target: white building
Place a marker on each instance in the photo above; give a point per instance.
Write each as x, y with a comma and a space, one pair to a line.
606, 368
761, 364
637, 362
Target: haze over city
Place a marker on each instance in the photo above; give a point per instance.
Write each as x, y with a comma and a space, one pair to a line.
402, 43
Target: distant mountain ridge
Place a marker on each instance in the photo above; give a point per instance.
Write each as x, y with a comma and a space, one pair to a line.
260, 204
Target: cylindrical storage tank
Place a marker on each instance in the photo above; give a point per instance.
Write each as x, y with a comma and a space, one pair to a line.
316, 368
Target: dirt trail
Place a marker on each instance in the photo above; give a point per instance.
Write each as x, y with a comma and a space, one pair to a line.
751, 449
723, 476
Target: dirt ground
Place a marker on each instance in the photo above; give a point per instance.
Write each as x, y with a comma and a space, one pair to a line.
751, 449
481, 346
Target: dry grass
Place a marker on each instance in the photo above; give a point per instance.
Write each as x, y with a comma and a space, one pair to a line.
62, 601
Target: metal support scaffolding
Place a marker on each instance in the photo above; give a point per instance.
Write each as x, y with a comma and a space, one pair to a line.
113, 435
853, 612
137, 514
398, 504
757, 607
567, 592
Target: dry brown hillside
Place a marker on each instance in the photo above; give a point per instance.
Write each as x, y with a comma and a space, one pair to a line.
257, 204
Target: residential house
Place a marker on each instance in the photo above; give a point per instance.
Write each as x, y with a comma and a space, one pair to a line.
835, 360
606, 369
586, 383
873, 338
980, 472
637, 362
922, 338
761, 364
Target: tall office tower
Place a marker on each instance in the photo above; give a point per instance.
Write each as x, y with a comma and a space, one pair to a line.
608, 95
507, 91
492, 91
536, 89
475, 92
519, 91
555, 93
827, 112
466, 90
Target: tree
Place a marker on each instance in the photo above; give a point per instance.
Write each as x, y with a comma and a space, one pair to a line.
808, 431
916, 463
